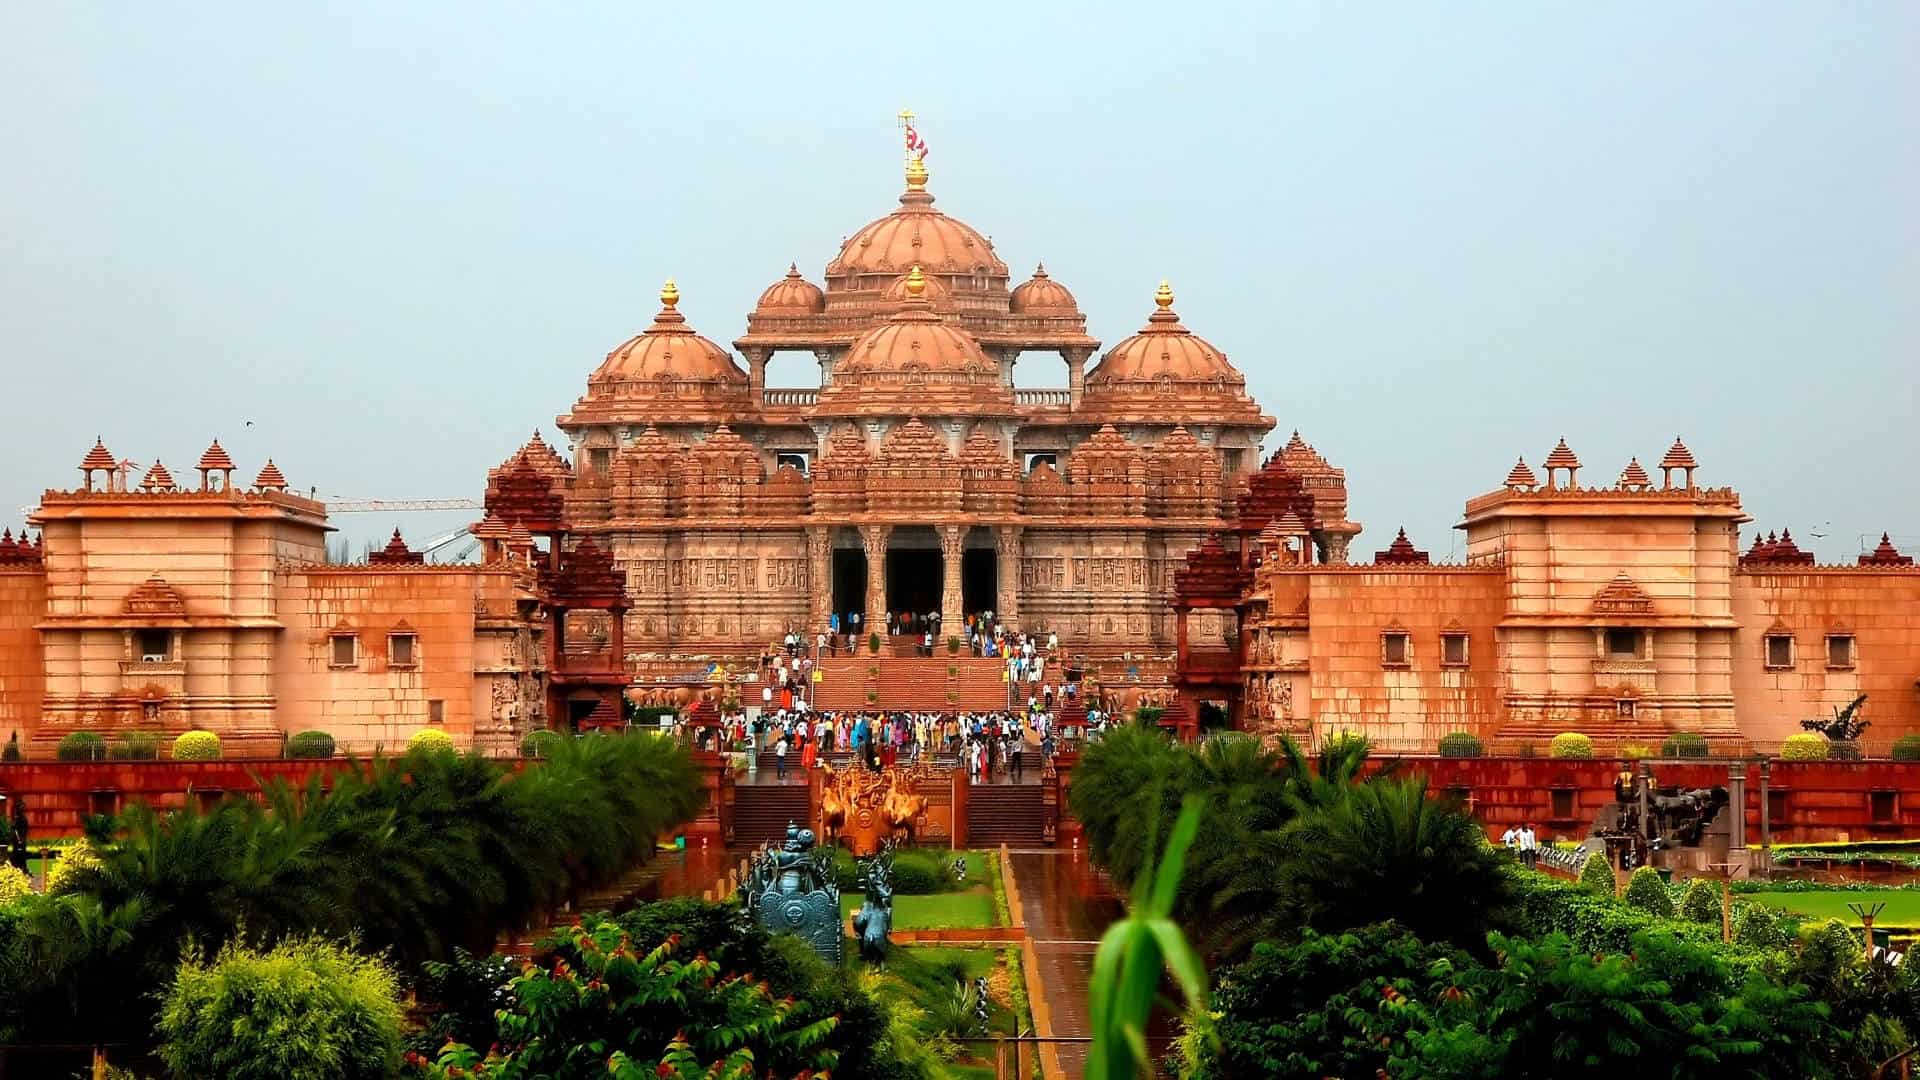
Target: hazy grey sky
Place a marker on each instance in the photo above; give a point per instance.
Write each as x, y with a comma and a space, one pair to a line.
1434, 237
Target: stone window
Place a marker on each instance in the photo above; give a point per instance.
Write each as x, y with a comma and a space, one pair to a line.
436, 711
795, 458
1840, 650
1396, 649
1626, 644
402, 650
154, 646
1883, 806
1453, 650
1778, 803
1625, 708
1051, 457
1562, 804
600, 459
343, 650
103, 801
1779, 652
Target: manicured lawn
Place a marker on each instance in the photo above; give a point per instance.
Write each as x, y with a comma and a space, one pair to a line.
939, 911
1903, 905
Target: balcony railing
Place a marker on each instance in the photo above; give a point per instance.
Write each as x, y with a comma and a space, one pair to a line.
1043, 398
791, 398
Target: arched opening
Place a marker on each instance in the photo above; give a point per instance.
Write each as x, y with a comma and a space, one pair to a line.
914, 570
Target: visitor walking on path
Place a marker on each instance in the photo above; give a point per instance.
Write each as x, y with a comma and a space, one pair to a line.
780, 759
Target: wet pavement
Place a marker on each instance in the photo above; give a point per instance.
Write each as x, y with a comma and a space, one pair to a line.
1068, 904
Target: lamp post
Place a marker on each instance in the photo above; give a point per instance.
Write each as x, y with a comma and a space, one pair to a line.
1865, 913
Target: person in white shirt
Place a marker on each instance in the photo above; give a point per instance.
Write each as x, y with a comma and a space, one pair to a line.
1529, 847
780, 759
1511, 838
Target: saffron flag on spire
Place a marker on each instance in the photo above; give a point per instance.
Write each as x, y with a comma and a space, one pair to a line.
916, 145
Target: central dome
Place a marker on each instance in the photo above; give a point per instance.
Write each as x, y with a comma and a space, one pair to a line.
915, 338
916, 235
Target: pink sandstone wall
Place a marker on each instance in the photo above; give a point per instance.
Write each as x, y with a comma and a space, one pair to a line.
1410, 708
1880, 607
372, 703
23, 593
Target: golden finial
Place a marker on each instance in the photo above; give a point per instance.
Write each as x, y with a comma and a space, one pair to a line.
916, 282
916, 174
669, 293
1163, 296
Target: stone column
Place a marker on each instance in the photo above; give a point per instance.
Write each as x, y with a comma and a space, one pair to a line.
757, 374
874, 539
819, 578
1006, 542
1766, 826
1076, 374
825, 357
953, 541
1737, 826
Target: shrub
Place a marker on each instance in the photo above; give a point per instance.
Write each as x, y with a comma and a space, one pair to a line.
12, 752
81, 746
14, 884
1461, 744
539, 743
917, 873
136, 746
310, 745
1634, 751
1760, 927
1570, 744
196, 746
953, 645
1684, 744
873, 642
1804, 746
75, 858
1597, 874
1701, 902
306, 1009
432, 740
1906, 748
1647, 892
1148, 715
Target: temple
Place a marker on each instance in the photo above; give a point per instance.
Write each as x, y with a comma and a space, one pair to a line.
693, 514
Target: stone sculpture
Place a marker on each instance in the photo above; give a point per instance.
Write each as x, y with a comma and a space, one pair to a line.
791, 890
873, 920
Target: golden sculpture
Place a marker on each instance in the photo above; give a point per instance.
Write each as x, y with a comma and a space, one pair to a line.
860, 809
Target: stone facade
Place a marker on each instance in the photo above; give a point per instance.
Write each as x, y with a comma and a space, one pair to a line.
1624, 611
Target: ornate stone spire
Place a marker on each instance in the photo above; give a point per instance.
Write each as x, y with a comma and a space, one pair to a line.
1521, 478
1884, 555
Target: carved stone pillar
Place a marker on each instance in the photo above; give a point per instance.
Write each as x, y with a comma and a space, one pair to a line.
874, 538
1076, 374
1336, 550
756, 373
1006, 542
825, 357
953, 541
819, 578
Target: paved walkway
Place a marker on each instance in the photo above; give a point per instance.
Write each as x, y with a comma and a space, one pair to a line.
1068, 905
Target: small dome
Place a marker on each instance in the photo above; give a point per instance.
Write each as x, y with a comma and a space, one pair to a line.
914, 339
917, 235
1164, 349
669, 349
791, 295
1041, 295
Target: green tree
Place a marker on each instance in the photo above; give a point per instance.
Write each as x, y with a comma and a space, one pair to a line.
307, 1009
1596, 874
1701, 902
1647, 892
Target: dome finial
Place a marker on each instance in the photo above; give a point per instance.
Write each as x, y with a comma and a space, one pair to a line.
916, 174
1163, 296
916, 282
670, 293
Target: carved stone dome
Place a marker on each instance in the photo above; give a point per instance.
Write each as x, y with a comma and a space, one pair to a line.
1163, 349
792, 295
1041, 295
917, 235
915, 338
668, 351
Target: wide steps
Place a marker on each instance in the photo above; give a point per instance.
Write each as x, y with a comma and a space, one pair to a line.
913, 684
1010, 814
761, 811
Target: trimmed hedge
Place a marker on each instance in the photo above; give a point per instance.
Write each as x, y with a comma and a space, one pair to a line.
1647, 892
1701, 903
311, 745
81, 746
196, 746
1597, 874
1804, 746
1595, 923
136, 746
430, 739
1685, 744
1461, 744
1906, 748
539, 743
1570, 744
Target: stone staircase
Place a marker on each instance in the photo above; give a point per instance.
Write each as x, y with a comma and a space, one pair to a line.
1010, 814
940, 684
761, 811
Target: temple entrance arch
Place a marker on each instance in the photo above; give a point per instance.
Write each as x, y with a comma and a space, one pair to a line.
914, 573
849, 575
979, 573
